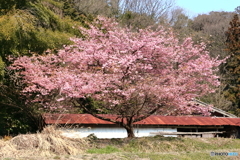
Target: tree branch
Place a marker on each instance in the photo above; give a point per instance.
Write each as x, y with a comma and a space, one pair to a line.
149, 114
104, 118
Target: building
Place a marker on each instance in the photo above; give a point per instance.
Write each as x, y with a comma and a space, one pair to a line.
82, 125
215, 111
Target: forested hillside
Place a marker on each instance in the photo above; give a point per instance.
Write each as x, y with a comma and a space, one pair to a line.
42, 27
28, 28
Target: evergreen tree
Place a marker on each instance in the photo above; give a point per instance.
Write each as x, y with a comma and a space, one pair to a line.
231, 69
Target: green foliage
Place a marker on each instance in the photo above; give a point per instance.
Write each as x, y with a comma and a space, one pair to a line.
20, 36
28, 27
13, 124
231, 69
53, 4
15, 117
19, 26
136, 20
45, 17
95, 107
38, 27
77, 15
12, 31
2, 66
48, 39
7, 5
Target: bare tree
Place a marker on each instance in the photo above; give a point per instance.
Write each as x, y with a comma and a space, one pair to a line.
134, 13
237, 10
153, 8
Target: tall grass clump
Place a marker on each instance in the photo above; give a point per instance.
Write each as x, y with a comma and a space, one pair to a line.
50, 142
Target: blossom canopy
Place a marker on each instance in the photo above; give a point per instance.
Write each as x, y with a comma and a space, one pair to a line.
130, 72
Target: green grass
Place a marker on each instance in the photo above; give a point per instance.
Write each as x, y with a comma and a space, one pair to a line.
168, 148
180, 144
150, 148
105, 150
183, 156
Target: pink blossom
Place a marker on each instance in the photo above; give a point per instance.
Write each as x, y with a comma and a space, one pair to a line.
132, 71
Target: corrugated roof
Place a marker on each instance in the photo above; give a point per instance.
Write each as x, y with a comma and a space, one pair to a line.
152, 120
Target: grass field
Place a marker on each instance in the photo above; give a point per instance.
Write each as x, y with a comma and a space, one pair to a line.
51, 145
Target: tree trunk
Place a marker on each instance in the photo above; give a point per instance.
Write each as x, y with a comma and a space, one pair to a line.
129, 127
130, 131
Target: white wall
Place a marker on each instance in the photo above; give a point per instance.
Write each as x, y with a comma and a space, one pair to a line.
113, 132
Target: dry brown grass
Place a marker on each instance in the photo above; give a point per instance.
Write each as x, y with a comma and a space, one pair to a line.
48, 143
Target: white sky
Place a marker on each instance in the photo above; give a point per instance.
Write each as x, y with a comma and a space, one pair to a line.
195, 7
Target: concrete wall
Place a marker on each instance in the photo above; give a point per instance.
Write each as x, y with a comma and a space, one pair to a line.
112, 132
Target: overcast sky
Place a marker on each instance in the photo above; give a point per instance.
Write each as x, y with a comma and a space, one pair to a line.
195, 7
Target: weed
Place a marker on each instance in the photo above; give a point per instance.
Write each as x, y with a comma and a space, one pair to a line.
105, 150
92, 137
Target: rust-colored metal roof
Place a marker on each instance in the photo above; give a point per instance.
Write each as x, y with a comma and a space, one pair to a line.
152, 120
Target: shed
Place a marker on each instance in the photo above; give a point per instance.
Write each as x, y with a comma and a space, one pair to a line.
82, 125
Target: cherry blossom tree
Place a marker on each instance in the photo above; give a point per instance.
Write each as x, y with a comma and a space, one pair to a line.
129, 74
